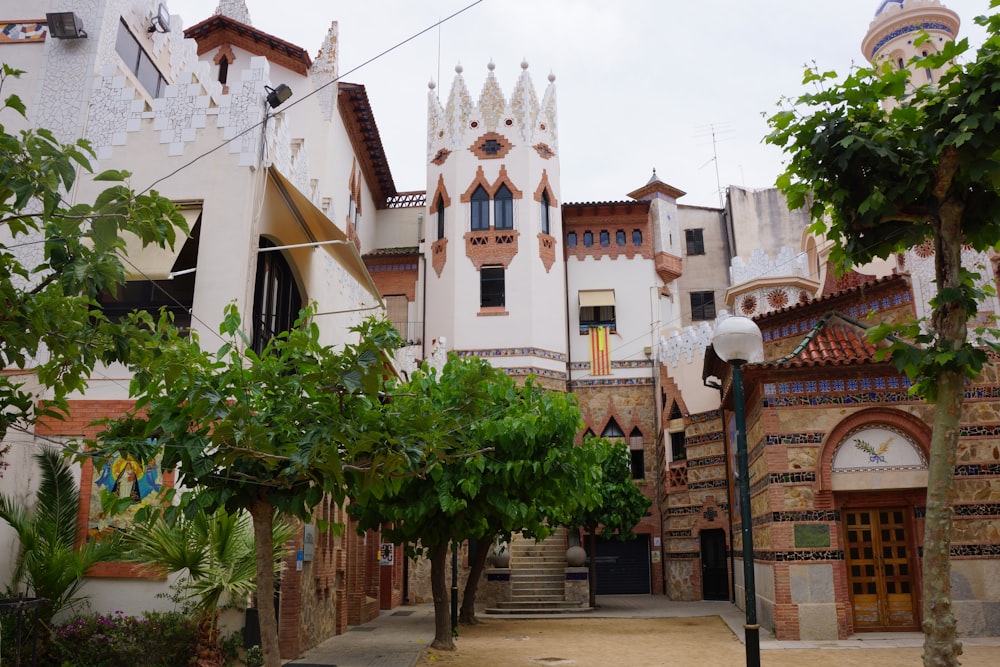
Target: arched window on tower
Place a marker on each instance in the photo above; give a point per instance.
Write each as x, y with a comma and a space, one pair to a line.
503, 208
545, 211
440, 217
480, 210
612, 430
637, 452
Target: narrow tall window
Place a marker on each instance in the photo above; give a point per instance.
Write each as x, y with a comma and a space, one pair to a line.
503, 208
276, 299
138, 62
440, 217
637, 237
223, 70
605, 238
588, 239
480, 210
491, 287
678, 451
571, 240
695, 241
545, 211
620, 237
637, 451
702, 305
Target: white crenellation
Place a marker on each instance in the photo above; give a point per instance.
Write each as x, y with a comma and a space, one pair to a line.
234, 9
437, 124
325, 71
760, 265
920, 264
492, 107
458, 111
524, 104
547, 117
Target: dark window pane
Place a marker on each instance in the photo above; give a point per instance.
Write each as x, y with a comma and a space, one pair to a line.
440, 218
605, 238
491, 287
677, 449
571, 239
480, 209
620, 237
695, 241
148, 75
503, 209
637, 237
638, 463
588, 239
545, 211
702, 305
127, 48
276, 299
593, 316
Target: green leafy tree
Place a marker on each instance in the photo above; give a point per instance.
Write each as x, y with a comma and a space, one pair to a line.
50, 563
50, 322
619, 507
508, 464
215, 556
264, 433
884, 166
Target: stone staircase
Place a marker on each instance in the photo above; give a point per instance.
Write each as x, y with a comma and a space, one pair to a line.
538, 577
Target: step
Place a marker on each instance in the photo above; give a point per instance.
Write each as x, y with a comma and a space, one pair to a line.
542, 610
537, 597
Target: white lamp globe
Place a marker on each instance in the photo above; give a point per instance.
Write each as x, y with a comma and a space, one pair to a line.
738, 340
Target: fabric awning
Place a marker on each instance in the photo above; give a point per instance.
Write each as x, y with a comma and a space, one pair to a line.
604, 297
318, 228
154, 262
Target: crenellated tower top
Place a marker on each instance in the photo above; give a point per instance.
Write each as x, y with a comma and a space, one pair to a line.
455, 125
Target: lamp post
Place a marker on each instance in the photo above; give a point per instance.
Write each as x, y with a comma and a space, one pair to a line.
737, 340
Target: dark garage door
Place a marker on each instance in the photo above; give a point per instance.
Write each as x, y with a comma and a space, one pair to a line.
623, 567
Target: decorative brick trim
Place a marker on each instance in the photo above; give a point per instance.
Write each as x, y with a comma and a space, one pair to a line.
544, 151
668, 267
543, 185
440, 157
479, 179
491, 246
547, 250
439, 255
491, 146
225, 51
440, 193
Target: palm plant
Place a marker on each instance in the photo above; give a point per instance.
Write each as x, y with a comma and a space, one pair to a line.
51, 564
215, 555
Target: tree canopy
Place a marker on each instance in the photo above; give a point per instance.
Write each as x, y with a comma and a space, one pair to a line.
886, 164
56, 258
510, 466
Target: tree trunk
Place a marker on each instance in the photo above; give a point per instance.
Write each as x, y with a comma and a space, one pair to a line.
443, 641
467, 615
950, 321
263, 515
592, 574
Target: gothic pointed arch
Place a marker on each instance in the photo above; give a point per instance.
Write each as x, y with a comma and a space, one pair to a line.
440, 195
479, 180
612, 429
504, 179
545, 187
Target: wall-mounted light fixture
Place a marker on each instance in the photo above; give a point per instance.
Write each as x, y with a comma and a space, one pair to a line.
65, 25
276, 96
160, 22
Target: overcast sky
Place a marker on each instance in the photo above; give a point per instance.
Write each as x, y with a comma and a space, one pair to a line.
640, 83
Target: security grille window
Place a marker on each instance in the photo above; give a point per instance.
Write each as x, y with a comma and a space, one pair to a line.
503, 208
276, 299
491, 287
138, 62
597, 309
695, 241
440, 218
545, 211
702, 305
678, 452
480, 210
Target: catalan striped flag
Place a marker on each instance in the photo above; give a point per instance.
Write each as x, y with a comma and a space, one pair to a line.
600, 351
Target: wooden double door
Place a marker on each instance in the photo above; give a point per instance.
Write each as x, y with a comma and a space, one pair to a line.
881, 569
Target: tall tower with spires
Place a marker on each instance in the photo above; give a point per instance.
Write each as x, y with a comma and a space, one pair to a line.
495, 277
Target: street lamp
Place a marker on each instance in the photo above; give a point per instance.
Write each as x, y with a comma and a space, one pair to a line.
738, 340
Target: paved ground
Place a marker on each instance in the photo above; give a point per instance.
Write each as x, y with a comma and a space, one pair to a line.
397, 638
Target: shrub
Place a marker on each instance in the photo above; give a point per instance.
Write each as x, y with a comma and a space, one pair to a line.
98, 640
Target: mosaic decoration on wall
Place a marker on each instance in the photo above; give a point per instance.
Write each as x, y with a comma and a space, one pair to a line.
22, 33
877, 448
124, 478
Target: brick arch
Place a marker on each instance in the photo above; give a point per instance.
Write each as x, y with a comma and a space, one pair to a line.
440, 193
911, 426
225, 51
503, 178
543, 186
480, 179
673, 394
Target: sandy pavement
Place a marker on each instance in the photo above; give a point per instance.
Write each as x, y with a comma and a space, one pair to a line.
681, 642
